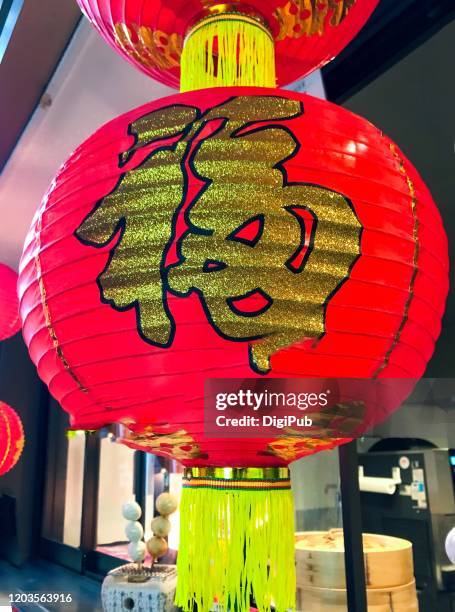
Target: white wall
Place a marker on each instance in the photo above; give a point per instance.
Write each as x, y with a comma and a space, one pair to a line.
91, 85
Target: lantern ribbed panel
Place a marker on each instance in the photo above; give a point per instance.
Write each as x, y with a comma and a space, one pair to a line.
150, 34
382, 319
11, 438
10, 322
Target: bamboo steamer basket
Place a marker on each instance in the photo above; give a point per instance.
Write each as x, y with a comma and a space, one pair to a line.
320, 560
394, 599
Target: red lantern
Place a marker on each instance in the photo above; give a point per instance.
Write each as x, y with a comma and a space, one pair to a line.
10, 322
11, 438
230, 233
151, 34
124, 321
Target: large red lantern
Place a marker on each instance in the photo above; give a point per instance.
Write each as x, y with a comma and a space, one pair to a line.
151, 35
235, 232
11, 438
137, 269
10, 322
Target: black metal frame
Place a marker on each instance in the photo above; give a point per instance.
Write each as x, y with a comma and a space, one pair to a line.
94, 563
62, 554
90, 486
352, 528
55, 468
139, 482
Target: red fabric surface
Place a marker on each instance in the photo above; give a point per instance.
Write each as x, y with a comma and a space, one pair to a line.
383, 321
11, 438
10, 322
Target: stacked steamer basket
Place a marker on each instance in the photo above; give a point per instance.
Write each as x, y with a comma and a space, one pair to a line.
321, 583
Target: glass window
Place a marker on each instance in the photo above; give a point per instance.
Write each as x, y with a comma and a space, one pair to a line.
73, 489
115, 487
317, 496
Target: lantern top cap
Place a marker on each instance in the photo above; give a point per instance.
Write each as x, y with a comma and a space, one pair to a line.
152, 34
229, 16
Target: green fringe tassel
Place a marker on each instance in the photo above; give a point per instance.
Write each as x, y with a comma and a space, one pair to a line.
235, 543
225, 51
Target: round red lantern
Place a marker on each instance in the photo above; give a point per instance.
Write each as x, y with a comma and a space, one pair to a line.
230, 233
10, 322
11, 438
152, 34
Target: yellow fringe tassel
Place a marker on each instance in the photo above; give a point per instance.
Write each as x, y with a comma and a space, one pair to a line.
227, 50
233, 544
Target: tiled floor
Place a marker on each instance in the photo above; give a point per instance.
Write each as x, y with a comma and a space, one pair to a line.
43, 577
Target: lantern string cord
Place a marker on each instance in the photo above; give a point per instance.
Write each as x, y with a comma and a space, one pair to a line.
228, 50
234, 544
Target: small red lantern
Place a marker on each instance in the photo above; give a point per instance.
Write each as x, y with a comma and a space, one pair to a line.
10, 322
151, 35
11, 438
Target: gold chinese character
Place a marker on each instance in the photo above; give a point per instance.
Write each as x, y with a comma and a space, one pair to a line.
206, 207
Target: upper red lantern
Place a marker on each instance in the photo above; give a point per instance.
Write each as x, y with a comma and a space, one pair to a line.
10, 322
230, 233
151, 34
11, 438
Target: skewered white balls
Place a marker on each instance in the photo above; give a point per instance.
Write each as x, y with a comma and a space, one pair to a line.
131, 511
136, 551
134, 531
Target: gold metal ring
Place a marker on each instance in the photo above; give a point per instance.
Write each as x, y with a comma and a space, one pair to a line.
243, 473
229, 17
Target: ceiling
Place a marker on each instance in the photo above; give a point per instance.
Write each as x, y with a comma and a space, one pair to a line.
36, 33
90, 86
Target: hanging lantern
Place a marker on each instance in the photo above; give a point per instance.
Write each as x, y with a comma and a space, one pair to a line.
155, 35
235, 232
147, 249
10, 322
11, 438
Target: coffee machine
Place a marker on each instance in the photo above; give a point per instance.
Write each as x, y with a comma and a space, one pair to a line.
411, 494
